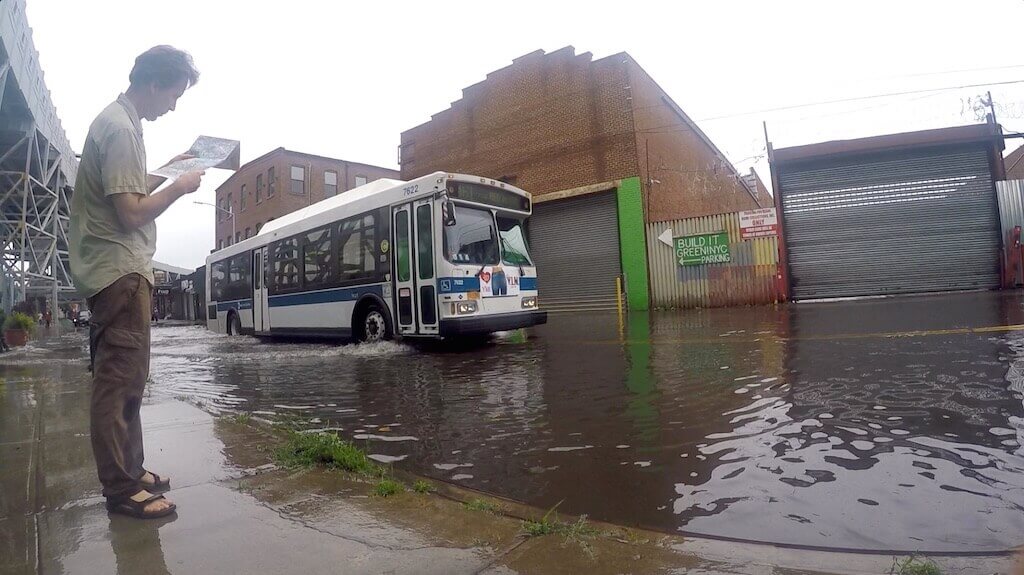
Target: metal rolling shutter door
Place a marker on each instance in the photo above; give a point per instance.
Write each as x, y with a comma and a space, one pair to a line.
891, 224
575, 243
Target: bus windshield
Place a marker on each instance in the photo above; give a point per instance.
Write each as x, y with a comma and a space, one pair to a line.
473, 239
513, 242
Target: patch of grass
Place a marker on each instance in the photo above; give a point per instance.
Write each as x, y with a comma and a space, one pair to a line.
579, 530
545, 526
539, 528
326, 450
480, 505
422, 486
241, 418
387, 488
914, 566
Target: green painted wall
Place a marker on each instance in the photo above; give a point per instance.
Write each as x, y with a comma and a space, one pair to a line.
633, 243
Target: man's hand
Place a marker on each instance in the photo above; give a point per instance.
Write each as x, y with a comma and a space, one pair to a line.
189, 182
178, 158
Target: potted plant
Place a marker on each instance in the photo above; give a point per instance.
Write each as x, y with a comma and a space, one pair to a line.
17, 328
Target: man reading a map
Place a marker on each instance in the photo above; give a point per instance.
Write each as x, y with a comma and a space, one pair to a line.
113, 239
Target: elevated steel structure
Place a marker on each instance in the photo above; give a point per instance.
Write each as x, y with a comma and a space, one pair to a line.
37, 172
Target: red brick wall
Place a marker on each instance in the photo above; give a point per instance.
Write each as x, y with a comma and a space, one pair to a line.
546, 123
692, 180
283, 201
551, 122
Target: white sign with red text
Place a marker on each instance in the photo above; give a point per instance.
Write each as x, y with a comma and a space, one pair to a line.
759, 223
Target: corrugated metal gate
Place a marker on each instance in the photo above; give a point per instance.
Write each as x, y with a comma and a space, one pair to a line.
750, 278
575, 243
891, 223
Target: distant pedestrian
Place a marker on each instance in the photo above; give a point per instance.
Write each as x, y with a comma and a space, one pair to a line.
113, 238
48, 318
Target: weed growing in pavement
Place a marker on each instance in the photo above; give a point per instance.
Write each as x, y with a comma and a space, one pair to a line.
422, 486
387, 488
241, 418
481, 505
538, 528
914, 566
324, 449
545, 526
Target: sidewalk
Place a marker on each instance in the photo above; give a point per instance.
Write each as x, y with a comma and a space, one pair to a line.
238, 513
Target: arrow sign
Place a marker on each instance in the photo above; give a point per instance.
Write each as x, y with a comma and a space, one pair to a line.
666, 238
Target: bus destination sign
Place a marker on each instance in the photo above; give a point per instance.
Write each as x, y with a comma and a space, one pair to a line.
488, 195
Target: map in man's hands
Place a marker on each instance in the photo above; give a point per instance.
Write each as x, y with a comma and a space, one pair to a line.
209, 153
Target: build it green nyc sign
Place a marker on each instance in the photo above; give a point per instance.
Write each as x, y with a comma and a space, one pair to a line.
703, 249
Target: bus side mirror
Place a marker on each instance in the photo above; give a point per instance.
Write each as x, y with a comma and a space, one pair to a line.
448, 213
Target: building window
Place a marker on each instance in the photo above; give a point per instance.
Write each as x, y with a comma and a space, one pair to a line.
330, 184
259, 188
238, 237
241, 199
230, 207
222, 210
271, 182
298, 180
248, 233
258, 227
220, 244
360, 181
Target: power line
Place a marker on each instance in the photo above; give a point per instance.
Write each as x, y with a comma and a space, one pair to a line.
858, 99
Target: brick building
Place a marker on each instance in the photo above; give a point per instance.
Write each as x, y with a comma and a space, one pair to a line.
1014, 162
600, 146
280, 182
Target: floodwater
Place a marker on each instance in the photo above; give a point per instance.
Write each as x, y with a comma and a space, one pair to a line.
875, 425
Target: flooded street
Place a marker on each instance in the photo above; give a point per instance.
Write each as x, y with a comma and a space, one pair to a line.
878, 425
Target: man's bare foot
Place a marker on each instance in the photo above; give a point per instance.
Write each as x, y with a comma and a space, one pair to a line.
154, 506
154, 483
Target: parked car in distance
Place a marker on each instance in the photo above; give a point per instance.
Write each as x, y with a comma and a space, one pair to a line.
83, 318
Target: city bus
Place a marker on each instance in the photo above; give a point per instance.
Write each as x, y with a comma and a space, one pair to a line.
441, 256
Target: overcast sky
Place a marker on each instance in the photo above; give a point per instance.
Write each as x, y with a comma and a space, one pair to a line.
345, 79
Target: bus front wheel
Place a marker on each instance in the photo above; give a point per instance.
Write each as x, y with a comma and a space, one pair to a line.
373, 325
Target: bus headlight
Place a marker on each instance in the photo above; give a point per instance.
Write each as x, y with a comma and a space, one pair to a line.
530, 302
465, 307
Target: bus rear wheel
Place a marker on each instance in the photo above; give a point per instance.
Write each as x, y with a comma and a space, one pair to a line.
373, 326
234, 325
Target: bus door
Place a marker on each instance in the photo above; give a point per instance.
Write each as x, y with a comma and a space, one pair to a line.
260, 299
415, 272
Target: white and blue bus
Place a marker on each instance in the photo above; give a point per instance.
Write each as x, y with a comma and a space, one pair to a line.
441, 256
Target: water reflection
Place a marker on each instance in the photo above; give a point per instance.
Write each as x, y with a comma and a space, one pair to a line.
798, 424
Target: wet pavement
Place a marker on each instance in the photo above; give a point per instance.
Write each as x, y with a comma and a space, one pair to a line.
870, 425
239, 513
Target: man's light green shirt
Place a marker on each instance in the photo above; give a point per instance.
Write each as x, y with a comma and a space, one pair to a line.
113, 162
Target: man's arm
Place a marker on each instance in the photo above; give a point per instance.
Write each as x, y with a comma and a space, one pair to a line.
137, 210
153, 182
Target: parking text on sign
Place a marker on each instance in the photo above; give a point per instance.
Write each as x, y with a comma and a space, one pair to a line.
703, 249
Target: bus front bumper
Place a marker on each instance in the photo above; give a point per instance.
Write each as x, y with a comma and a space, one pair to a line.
480, 325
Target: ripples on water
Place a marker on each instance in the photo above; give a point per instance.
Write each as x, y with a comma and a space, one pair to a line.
910, 444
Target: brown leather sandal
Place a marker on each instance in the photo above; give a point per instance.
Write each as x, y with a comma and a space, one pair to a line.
137, 509
159, 485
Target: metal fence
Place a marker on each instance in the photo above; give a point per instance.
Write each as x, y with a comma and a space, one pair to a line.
750, 278
1010, 194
